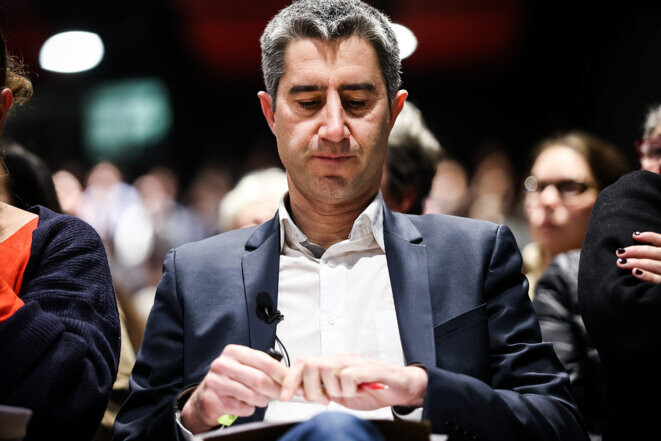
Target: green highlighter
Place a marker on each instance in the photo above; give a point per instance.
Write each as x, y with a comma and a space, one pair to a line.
227, 420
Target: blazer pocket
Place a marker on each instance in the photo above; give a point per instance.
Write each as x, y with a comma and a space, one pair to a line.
462, 344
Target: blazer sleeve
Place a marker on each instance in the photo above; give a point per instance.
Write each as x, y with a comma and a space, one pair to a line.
157, 378
61, 349
528, 397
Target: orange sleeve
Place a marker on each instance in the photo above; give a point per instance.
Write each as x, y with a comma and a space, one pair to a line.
9, 301
14, 257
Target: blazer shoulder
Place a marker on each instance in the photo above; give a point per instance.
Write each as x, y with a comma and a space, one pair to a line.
430, 225
231, 244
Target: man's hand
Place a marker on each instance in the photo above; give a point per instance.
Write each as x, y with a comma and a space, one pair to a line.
337, 378
644, 261
239, 380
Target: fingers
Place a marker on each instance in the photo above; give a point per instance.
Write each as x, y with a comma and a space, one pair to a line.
644, 261
646, 276
319, 378
648, 237
312, 386
229, 370
256, 359
292, 381
239, 380
205, 405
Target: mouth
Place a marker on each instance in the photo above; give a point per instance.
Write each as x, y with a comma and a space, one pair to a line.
333, 159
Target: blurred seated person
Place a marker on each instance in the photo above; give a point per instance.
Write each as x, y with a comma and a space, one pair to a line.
58, 316
253, 200
567, 174
449, 190
619, 292
556, 305
413, 152
28, 181
620, 289
69, 191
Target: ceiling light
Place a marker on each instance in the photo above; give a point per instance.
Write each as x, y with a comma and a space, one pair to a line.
406, 40
69, 52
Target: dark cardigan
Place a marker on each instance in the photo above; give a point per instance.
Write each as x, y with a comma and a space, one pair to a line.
622, 313
60, 350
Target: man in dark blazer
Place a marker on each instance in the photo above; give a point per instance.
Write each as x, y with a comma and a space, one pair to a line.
472, 361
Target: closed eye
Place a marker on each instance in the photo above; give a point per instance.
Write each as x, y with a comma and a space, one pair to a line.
356, 104
309, 105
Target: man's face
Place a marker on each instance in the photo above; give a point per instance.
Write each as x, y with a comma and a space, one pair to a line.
332, 119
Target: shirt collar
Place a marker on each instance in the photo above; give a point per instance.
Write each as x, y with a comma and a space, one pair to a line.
370, 221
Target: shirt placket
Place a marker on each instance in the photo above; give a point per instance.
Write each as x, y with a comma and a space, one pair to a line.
332, 292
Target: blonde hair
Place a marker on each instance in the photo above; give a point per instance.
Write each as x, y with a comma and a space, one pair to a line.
14, 76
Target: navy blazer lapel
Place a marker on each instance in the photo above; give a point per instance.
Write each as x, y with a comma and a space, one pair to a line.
407, 266
261, 267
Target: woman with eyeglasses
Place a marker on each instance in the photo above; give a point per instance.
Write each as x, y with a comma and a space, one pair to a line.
59, 326
567, 174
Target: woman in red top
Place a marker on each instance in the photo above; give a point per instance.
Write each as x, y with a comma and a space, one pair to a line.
59, 327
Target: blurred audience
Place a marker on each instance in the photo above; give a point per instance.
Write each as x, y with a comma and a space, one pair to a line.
578, 165
649, 147
449, 190
492, 188
69, 191
556, 305
493, 195
567, 174
253, 200
59, 325
209, 187
413, 153
28, 180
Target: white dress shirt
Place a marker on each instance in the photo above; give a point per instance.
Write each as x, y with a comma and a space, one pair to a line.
335, 301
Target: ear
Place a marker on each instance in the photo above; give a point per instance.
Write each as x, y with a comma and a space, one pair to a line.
397, 105
267, 108
6, 98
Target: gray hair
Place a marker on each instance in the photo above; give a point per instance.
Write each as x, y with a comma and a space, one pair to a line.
652, 120
329, 20
413, 153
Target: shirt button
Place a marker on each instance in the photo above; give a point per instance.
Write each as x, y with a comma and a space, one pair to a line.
332, 263
332, 320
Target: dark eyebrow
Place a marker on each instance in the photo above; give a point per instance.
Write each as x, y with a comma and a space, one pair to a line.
305, 88
369, 87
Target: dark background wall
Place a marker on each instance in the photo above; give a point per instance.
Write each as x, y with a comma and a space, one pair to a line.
487, 74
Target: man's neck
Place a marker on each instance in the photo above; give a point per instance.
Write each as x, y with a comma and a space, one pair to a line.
325, 223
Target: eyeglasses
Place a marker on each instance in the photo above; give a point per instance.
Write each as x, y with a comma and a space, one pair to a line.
649, 149
568, 189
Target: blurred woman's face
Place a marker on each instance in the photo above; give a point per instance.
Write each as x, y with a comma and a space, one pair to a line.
561, 193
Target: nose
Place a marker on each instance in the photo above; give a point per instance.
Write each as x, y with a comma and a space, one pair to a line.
550, 196
333, 121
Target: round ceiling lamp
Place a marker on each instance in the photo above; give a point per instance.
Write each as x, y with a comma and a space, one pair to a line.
70, 52
406, 40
